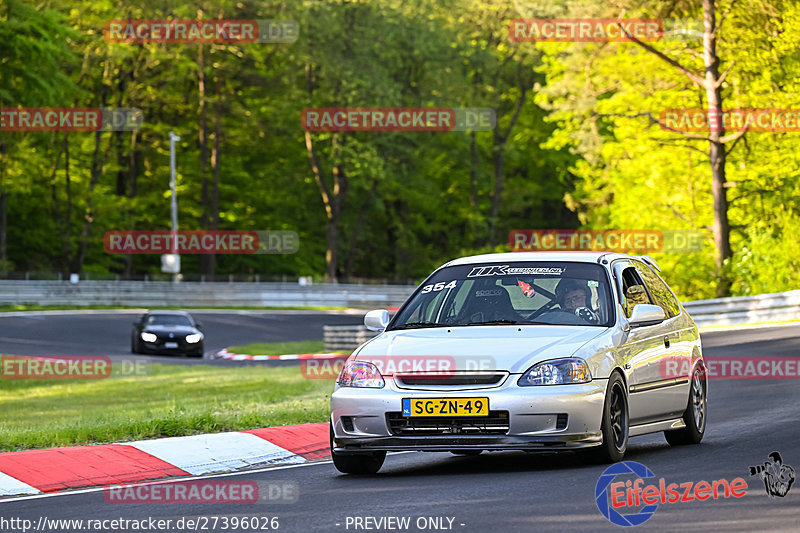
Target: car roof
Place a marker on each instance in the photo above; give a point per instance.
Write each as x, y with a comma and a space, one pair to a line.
580, 257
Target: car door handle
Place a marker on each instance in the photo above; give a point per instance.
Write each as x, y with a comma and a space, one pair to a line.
666, 341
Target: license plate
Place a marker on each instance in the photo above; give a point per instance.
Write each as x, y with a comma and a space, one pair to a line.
445, 406
170, 345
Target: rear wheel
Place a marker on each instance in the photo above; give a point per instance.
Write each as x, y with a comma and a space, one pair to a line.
695, 415
614, 425
361, 463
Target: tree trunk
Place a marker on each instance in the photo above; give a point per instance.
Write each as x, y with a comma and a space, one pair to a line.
473, 170
3, 217
333, 201
206, 262
211, 259
98, 161
498, 153
717, 154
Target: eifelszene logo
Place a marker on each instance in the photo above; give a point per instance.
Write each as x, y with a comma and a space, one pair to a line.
614, 497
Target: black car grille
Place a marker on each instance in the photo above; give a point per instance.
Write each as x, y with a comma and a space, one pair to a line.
449, 379
166, 337
494, 424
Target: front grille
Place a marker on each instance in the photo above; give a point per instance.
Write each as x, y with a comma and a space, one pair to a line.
449, 379
164, 337
494, 424
561, 421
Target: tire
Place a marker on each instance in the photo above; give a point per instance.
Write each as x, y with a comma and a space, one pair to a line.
362, 463
614, 426
135, 345
696, 412
468, 453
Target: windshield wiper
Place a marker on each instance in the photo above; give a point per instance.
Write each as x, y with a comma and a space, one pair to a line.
503, 321
416, 325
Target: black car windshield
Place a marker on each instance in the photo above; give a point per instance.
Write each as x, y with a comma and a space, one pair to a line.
510, 293
167, 320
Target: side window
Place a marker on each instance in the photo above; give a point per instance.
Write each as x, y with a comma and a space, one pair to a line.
634, 290
658, 290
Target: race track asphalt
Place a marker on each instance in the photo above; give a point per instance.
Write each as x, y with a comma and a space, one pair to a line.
510, 491
109, 333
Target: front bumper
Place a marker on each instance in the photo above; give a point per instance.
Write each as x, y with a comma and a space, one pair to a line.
159, 346
533, 417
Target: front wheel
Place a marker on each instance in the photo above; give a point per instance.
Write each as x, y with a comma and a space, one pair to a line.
695, 415
362, 463
135, 345
614, 425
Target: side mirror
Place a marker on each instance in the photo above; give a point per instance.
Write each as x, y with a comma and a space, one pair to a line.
646, 315
377, 320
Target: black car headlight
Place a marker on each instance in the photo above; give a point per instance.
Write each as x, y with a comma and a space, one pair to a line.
149, 337
193, 338
556, 372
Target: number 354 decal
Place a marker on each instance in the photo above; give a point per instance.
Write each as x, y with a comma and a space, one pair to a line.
438, 286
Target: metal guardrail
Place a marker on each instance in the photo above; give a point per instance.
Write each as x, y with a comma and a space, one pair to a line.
194, 294
718, 311
346, 337
739, 310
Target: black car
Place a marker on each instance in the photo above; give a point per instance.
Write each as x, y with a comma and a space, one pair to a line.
167, 332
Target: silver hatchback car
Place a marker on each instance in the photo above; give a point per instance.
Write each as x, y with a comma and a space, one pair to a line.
524, 351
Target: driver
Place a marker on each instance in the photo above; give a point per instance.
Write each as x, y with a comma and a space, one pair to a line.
574, 297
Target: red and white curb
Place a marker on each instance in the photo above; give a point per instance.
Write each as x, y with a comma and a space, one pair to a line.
225, 354
58, 469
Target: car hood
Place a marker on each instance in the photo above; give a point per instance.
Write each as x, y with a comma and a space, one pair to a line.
510, 348
182, 330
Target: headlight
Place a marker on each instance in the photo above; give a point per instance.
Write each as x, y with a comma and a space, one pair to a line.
556, 372
360, 374
193, 338
149, 337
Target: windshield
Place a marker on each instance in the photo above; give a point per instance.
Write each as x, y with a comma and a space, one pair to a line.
556, 293
167, 320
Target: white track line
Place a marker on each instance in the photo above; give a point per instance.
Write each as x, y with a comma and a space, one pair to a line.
176, 480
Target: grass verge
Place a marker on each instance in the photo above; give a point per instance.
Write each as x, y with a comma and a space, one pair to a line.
279, 348
171, 400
